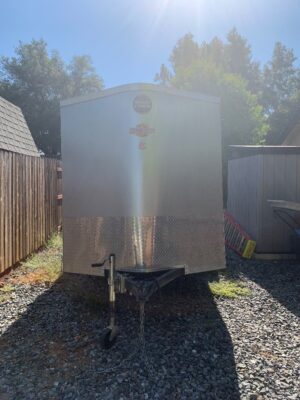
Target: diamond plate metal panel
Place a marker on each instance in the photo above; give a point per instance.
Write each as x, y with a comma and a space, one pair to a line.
143, 241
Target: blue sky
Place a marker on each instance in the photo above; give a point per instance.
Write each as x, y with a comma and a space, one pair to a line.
129, 39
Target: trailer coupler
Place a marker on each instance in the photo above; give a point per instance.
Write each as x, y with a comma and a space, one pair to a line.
141, 286
142, 289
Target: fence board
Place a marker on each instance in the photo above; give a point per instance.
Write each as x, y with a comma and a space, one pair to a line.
29, 209
1, 209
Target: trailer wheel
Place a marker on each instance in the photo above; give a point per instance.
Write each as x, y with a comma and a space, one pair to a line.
109, 337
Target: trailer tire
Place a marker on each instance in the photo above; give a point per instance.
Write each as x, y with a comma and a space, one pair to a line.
109, 337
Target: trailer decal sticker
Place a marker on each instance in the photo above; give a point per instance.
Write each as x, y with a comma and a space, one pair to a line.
141, 130
142, 104
142, 145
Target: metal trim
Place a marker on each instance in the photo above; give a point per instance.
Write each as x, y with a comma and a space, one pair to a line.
237, 151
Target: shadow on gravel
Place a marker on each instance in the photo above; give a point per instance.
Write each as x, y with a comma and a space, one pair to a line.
280, 278
52, 351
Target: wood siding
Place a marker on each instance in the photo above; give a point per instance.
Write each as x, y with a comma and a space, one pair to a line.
29, 211
254, 180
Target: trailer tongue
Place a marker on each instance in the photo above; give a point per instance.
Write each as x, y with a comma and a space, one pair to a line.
139, 282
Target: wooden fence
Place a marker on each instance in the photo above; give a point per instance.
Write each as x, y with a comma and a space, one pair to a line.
29, 207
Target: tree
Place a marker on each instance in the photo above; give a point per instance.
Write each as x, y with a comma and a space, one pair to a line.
238, 60
225, 70
281, 78
243, 120
233, 56
163, 77
37, 80
184, 53
257, 104
210, 68
213, 52
284, 119
82, 76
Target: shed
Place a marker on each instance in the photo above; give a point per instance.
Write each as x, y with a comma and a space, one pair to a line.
15, 135
257, 174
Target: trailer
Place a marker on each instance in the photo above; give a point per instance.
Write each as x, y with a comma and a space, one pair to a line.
142, 187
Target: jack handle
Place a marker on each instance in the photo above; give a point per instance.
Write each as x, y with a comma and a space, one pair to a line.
102, 263
94, 265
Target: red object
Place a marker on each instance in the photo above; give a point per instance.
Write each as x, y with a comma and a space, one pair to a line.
234, 231
142, 145
141, 130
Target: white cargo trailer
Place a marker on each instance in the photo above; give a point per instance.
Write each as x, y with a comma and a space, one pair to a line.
142, 182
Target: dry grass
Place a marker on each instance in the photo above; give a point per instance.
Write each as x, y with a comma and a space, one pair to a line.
229, 289
43, 266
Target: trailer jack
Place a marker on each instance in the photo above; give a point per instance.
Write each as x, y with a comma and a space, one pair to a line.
141, 285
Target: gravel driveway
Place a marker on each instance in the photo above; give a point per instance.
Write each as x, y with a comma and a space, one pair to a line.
197, 346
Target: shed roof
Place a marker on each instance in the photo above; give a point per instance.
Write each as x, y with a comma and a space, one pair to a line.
239, 151
15, 135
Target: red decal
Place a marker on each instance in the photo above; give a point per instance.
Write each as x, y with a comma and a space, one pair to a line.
142, 145
141, 130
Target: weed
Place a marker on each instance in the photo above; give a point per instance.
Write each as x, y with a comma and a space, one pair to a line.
5, 292
229, 288
43, 266
4, 297
55, 242
8, 288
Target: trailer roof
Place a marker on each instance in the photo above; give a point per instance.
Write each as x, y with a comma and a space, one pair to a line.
139, 87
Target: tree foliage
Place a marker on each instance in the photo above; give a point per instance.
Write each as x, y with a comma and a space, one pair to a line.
225, 70
163, 77
36, 80
281, 78
184, 53
238, 56
284, 119
233, 57
243, 121
258, 102
281, 95
82, 77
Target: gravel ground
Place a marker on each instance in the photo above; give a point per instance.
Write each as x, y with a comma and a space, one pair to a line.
197, 346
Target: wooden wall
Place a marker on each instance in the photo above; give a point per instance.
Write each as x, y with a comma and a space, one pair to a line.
29, 209
254, 180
